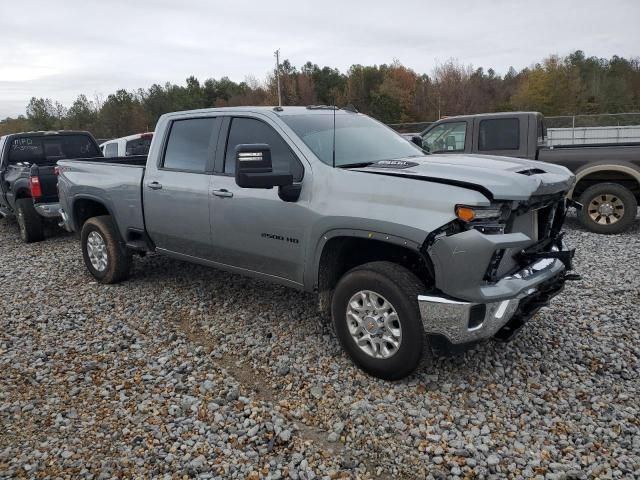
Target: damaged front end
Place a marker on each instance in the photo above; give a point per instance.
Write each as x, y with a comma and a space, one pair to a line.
495, 269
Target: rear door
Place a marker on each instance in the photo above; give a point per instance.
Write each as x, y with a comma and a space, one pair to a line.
503, 136
253, 229
176, 191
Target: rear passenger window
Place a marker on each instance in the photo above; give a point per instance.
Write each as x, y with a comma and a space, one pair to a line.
111, 150
139, 146
191, 144
250, 130
499, 134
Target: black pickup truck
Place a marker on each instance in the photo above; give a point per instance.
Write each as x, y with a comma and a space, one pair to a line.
608, 175
28, 176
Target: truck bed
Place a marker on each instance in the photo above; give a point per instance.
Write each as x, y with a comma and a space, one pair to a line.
115, 182
576, 156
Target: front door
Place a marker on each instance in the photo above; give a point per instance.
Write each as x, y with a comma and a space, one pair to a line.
253, 229
447, 137
176, 193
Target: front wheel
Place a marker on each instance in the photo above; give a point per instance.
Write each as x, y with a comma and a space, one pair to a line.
104, 255
607, 208
376, 318
29, 222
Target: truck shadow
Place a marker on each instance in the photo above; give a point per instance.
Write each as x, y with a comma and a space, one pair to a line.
277, 320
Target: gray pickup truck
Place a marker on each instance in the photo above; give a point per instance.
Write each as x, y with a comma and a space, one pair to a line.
28, 175
406, 250
607, 174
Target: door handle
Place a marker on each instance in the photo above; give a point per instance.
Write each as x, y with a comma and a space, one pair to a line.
223, 192
154, 185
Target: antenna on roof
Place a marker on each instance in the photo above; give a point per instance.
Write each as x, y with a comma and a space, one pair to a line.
334, 136
277, 54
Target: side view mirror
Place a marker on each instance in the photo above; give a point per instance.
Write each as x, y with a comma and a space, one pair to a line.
417, 139
255, 170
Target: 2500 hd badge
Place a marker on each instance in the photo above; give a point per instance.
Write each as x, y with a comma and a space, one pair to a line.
274, 236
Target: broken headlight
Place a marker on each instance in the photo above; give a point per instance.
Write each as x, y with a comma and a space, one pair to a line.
488, 220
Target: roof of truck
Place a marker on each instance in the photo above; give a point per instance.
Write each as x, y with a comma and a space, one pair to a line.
43, 133
493, 115
135, 136
281, 111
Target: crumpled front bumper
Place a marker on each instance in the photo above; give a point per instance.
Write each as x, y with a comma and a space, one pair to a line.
520, 294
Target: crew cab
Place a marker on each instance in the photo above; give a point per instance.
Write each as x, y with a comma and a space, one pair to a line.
130, 145
28, 175
406, 250
608, 174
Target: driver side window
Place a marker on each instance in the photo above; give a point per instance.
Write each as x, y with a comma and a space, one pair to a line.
249, 130
446, 137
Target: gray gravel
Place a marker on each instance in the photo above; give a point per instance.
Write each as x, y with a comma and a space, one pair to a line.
184, 370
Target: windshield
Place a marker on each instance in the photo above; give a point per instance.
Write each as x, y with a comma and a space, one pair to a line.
359, 139
51, 148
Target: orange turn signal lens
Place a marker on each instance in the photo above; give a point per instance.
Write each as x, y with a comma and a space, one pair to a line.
465, 214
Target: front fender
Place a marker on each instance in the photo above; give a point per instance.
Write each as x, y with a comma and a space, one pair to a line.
312, 274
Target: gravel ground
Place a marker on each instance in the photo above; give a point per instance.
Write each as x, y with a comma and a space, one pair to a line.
187, 371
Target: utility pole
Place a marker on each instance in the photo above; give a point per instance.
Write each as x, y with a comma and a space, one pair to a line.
277, 54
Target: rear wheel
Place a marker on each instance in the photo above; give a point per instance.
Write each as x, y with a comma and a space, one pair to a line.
29, 222
104, 255
607, 208
376, 318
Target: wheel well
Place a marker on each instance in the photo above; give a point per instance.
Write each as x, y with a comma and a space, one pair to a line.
609, 176
341, 254
23, 193
84, 209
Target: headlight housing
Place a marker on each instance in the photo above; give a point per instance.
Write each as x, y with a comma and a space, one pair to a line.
489, 220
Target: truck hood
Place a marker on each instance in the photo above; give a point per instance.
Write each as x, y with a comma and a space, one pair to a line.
500, 178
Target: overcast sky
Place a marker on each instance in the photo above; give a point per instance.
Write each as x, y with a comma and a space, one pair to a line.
63, 48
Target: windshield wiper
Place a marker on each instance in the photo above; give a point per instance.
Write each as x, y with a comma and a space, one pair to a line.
355, 165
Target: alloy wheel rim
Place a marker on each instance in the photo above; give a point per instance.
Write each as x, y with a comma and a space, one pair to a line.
374, 324
606, 209
97, 251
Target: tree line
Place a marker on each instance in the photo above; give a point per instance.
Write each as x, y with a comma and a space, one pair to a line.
393, 93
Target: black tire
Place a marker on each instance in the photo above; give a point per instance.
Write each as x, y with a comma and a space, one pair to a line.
399, 287
118, 257
621, 197
29, 222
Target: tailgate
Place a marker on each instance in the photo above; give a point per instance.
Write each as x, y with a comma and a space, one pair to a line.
48, 183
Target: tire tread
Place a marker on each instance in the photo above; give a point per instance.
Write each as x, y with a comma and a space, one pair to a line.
627, 197
410, 286
34, 229
120, 258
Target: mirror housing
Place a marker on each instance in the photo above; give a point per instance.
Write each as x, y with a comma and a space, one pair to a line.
417, 139
255, 170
